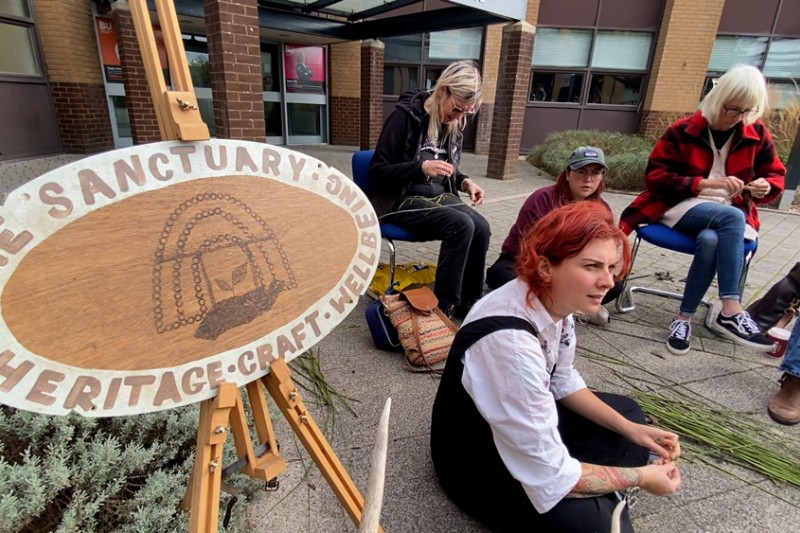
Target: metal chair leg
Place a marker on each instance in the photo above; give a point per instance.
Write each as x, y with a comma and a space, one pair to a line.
392, 258
626, 292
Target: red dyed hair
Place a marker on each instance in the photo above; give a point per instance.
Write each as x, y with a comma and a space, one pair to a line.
563, 233
565, 194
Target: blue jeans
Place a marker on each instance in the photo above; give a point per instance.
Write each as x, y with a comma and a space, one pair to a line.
791, 362
719, 230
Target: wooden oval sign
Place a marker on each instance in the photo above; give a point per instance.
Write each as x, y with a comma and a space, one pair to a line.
141, 279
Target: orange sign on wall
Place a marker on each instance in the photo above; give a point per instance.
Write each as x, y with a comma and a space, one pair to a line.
109, 49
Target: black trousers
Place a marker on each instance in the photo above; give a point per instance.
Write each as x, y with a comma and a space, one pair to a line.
508, 509
465, 239
505, 269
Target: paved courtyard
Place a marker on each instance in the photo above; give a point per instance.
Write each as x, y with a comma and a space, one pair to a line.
630, 351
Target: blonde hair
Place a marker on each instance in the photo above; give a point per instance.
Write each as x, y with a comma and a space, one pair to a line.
461, 80
742, 84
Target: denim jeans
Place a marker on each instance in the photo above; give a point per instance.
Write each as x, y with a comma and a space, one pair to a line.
791, 362
465, 239
719, 230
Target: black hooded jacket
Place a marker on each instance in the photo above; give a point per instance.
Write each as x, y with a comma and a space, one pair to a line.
396, 164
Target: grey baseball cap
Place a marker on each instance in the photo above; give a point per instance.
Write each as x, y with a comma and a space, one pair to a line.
586, 155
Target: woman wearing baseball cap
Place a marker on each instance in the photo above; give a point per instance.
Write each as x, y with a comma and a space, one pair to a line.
582, 179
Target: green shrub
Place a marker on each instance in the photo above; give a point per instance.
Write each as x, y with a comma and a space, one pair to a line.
626, 155
125, 474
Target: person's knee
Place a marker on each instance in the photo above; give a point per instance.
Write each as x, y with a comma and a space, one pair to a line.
733, 217
458, 225
707, 241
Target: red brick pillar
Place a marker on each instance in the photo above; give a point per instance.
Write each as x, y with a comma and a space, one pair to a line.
509, 107
371, 92
234, 54
141, 112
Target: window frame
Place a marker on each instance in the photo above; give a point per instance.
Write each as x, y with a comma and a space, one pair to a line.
715, 74
589, 72
30, 24
423, 64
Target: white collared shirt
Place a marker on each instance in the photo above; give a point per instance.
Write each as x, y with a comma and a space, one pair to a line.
514, 380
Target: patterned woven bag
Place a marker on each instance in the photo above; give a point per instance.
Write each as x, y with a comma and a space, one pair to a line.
424, 331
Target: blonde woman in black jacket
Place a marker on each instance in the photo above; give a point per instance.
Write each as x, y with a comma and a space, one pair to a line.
415, 182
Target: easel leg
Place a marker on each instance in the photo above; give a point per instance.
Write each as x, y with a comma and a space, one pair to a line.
284, 392
207, 474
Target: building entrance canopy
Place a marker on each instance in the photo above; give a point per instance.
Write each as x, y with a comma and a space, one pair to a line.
353, 20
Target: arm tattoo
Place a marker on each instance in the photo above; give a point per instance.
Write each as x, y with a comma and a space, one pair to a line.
596, 480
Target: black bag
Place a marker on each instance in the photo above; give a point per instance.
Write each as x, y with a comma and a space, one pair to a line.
780, 303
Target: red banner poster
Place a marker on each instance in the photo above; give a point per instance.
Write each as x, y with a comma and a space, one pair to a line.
305, 68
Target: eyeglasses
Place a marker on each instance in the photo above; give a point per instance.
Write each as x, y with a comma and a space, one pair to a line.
735, 112
594, 175
459, 109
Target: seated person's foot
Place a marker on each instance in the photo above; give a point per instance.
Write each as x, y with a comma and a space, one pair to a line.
743, 330
599, 318
447, 308
680, 336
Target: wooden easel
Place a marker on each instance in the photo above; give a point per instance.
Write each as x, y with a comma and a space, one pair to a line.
179, 119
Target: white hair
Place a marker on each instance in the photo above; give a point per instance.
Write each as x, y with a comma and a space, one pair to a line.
743, 85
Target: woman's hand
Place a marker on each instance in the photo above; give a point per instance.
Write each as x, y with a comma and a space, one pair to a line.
661, 479
759, 188
664, 443
474, 190
434, 169
732, 184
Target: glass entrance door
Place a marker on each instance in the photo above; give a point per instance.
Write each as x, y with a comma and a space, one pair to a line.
305, 68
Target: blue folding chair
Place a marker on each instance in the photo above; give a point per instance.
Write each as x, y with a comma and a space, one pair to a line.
389, 232
665, 237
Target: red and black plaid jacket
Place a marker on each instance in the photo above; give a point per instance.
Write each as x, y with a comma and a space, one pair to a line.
683, 157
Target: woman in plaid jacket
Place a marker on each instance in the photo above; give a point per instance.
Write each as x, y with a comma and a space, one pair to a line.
705, 177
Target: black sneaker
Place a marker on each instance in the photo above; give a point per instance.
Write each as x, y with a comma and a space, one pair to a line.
743, 330
680, 335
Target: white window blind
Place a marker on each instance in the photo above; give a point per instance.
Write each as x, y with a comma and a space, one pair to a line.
621, 50
730, 50
783, 59
561, 48
456, 44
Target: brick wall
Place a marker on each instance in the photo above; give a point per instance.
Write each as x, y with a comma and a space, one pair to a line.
509, 108
345, 93
680, 62
68, 40
235, 63
141, 112
83, 119
345, 120
66, 29
371, 93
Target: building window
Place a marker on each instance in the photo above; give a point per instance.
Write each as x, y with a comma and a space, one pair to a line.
612, 64
730, 50
417, 61
776, 58
18, 56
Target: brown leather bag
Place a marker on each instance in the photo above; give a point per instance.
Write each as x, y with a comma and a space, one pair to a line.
424, 331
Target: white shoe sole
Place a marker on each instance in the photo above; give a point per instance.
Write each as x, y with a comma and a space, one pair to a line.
742, 342
675, 351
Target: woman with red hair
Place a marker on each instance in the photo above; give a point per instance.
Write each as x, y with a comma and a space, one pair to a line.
516, 437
